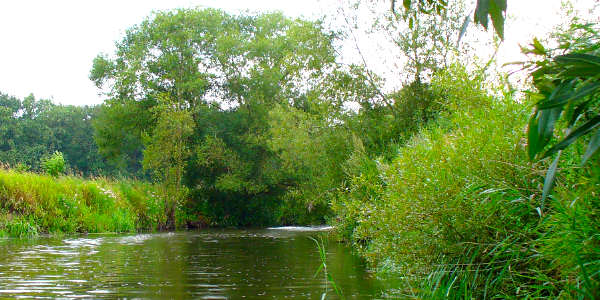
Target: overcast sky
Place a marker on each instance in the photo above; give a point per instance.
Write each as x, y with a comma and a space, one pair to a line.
47, 47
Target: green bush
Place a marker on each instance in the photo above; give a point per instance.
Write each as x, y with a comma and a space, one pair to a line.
457, 208
17, 227
54, 165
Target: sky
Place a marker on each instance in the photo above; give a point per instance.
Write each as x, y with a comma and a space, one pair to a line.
47, 47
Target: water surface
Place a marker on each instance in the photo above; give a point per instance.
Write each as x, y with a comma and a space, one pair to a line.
211, 264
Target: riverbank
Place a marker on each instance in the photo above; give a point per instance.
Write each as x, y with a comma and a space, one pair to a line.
32, 203
459, 208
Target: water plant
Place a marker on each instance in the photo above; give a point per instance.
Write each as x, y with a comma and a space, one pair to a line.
328, 278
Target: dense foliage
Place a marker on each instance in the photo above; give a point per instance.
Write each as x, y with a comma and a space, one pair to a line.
33, 204
251, 120
254, 93
568, 83
32, 130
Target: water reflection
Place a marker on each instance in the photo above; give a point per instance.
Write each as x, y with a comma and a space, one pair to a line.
214, 264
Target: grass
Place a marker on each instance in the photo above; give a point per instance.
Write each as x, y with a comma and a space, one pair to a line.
32, 203
328, 278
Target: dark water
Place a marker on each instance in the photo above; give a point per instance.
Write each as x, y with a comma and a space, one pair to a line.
213, 264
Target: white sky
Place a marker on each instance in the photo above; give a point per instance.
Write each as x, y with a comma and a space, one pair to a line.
47, 47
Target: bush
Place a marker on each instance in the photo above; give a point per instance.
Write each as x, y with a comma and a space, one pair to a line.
457, 208
54, 165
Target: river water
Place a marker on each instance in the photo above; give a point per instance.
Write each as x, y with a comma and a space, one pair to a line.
210, 264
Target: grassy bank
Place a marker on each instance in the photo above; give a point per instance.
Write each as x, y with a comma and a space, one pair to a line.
31, 203
458, 211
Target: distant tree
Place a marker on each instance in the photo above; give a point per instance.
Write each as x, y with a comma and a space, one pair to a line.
31, 129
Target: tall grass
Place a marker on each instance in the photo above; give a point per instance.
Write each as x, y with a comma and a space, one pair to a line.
458, 209
328, 278
32, 203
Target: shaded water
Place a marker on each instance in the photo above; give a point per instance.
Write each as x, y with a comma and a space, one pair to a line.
211, 264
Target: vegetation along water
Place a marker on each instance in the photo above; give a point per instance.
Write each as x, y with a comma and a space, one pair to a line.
457, 184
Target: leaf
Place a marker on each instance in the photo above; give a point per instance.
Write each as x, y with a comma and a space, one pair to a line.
538, 48
569, 139
549, 180
497, 15
593, 147
406, 3
533, 143
567, 96
481, 13
546, 120
578, 58
579, 65
318, 271
496, 10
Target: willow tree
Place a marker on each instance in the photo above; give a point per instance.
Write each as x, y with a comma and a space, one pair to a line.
227, 72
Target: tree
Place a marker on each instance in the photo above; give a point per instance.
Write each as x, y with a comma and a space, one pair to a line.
31, 129
428, 42
227, 73
54, 165
167, 151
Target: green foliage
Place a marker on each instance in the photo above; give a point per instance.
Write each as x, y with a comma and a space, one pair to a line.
225, 75
118, 130
456, 208
32, 204
17, 227
567, 96
54, 165
167, 151
310, 150
32, 129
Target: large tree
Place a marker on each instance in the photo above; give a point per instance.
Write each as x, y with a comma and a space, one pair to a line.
227, 72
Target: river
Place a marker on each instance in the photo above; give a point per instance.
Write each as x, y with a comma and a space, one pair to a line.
277, 263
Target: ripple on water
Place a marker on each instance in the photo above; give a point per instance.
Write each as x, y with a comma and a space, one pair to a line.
134, 239
302, 228
276, 263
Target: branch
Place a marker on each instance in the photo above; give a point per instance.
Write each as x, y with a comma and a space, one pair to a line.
385, 99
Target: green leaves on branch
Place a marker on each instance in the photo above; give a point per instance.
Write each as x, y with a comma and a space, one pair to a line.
494, 9
485, 10
573, 84
55, 164
568, 88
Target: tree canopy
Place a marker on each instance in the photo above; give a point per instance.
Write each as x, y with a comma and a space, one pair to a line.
233, 75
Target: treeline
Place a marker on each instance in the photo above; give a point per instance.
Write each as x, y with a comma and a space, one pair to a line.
245, 119
33, 129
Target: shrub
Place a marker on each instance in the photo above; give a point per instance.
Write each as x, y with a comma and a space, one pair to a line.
457, 210
54, 165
